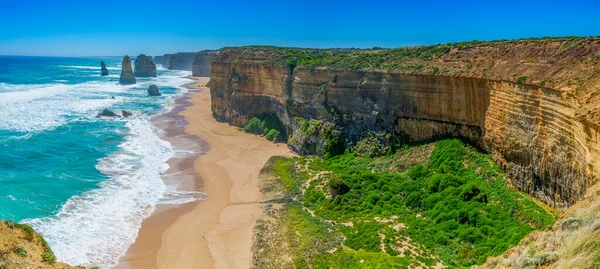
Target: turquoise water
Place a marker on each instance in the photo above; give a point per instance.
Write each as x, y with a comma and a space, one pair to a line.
85, 183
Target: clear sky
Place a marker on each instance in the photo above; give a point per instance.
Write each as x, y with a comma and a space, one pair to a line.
114, 28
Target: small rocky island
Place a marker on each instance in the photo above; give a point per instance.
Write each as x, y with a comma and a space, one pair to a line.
144, 67
153, 91
127, 77
103, 69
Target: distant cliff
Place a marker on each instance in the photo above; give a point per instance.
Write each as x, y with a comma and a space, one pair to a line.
201, 65
544, 138
179, 61
166, 60
158, 60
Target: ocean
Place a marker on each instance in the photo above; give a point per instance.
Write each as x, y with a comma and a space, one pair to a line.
84, 183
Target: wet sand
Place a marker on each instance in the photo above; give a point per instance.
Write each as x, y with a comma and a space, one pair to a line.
216, 232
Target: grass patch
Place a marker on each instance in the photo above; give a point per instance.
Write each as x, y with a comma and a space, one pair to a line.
456, 208
267, 125
20, 251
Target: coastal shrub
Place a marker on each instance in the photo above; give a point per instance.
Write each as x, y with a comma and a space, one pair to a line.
369, 146
521, 80
20, 251
267, 125
456, 208
49, 257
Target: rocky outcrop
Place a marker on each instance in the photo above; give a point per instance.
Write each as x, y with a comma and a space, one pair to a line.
144, 67
103, 69
127, 77
201, 65
107, 113
532, 132
158, 60
153, 90
126, 113
166, 60
180, 61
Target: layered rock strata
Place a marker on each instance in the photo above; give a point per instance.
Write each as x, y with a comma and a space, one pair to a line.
201, 65
533, 132
144, 67
127, 77
180, 61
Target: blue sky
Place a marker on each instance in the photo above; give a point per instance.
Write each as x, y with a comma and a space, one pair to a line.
108, 27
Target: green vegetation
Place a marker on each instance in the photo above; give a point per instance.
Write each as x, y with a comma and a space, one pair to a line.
405, 60
49, 257
267, 125
321, 137
20, 251
358, 212
521, 80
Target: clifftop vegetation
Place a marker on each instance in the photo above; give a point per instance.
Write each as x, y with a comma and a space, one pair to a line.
441, 203
21, 247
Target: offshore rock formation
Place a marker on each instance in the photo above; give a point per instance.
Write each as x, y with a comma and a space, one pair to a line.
103, 69
127, 77
180, 61
107, 113
533, 132
201, 65
153, 90
144, 67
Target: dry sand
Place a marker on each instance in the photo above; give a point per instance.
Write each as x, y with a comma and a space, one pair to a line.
216, 232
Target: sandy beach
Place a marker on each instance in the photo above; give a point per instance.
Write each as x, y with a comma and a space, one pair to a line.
216, 232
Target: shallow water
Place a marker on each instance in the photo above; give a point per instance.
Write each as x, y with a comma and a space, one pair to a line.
84, 183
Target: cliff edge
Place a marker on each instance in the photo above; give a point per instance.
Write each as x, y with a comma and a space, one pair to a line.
533, 103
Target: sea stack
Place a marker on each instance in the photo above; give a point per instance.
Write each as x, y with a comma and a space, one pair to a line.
153, 91
127, 77
103, 69
144, 67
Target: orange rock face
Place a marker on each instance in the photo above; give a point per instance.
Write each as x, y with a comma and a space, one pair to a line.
532, 132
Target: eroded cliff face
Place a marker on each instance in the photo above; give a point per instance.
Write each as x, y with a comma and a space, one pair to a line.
180, 61
201, 65
533, 132
166, 60
158, 59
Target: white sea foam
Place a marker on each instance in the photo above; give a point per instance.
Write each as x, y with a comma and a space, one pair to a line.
97, 227
30, 108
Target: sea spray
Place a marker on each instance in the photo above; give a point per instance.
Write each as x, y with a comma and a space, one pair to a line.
84, 183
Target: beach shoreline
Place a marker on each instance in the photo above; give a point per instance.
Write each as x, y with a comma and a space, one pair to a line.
216, 232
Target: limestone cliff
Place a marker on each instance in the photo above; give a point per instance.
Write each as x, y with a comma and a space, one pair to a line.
201, 65
127, 77
166, 60
144, 67
158, 60
535, 133
180, 61
103, 69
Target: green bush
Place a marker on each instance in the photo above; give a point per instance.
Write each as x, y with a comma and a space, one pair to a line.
20, 251
49, 257
521, 80
267, 125
458, 206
